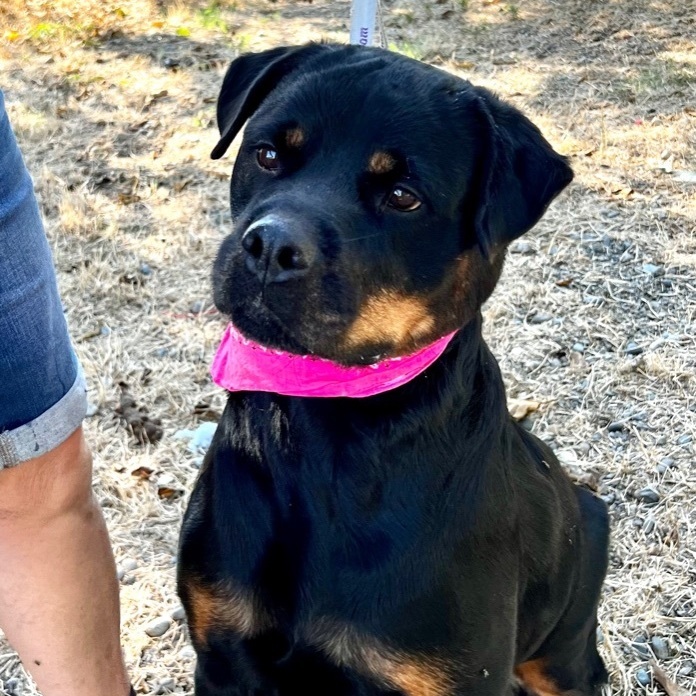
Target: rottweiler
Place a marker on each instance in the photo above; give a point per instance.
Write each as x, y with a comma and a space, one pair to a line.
419, 541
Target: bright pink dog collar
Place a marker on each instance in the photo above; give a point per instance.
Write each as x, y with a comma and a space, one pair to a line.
242, 365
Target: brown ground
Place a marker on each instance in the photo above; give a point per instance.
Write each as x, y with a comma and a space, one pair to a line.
595, 318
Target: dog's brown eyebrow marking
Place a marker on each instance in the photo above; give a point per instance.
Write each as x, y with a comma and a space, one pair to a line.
392, 317
295, 137
414, 675
533, 675
223, 607
381, 163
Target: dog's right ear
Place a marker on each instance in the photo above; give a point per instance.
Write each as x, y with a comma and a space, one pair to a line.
248, 81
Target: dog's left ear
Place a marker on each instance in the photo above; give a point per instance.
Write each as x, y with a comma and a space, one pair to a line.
249, 80
522, 174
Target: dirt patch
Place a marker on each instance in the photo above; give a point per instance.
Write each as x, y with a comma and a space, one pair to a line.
594, 319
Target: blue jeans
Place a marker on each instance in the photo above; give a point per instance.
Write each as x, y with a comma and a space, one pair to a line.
42, 391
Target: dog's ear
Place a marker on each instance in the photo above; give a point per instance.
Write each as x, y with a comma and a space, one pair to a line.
521, 175
248, 81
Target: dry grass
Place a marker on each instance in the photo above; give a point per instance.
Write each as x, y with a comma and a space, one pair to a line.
113, 105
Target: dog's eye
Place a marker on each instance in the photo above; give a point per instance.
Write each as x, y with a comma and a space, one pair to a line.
268, 159
404, 200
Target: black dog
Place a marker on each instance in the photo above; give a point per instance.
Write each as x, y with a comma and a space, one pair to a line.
418, 542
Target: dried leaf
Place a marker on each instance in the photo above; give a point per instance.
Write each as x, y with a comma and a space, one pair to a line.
144, 428
521, 408
128, 198
206, 412
181, 184
143, 473
167, 493
670, 687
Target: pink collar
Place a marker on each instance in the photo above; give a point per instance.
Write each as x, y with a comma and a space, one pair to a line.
242, 365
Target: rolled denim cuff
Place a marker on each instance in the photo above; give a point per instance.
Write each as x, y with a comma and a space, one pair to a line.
46, 431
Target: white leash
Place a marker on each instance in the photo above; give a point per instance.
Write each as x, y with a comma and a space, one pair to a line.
364, 23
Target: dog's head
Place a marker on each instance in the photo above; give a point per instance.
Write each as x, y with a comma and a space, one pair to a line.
373, 198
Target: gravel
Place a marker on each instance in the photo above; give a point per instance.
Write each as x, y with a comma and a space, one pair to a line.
158, 627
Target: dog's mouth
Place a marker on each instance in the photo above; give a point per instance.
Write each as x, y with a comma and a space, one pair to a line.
266, 328
385, 325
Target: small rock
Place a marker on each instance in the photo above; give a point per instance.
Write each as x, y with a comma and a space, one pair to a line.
579, 347
166, 686
662, 440
158, 627
651, 269
540, 318
523, 247
12, 687
196, 307
92, 410
660, 647
687, 668
684, 439
632, 348
120, 573
608, 498
200, 438
649, 496
640, 645
643, 677
129, 564
105, 331
162, 352
145, 269
649, 525
187, 653
616, 427
178, 614
600, 635
665, 464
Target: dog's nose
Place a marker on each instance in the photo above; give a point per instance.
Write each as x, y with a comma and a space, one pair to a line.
275, 252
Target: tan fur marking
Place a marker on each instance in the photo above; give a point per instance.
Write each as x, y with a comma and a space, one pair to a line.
295, 137
389, 316
224, 607
533, 675
381, 163
414, 675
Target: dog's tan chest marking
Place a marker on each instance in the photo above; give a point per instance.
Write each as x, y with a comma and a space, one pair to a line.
347, 647
224, 607
381, 163
533, 675
391, 317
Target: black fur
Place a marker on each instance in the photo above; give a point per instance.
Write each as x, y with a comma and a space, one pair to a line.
419, 542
